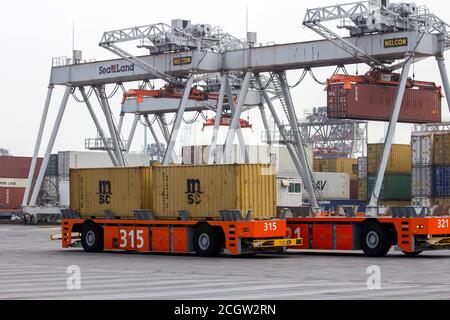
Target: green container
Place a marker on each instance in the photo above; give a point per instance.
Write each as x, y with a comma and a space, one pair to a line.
396, 187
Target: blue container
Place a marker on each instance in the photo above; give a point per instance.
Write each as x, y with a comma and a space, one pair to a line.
441, 181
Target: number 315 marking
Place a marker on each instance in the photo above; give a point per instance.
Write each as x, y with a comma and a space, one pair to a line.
442, 223
270, 226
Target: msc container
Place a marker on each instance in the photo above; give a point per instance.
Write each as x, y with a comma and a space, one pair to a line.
362, 168
204, 190
120, 190
441, 181
395, 187
289, 193
441, 149
422, 148
362, 190
422, 177
79, 159
399, 158
331, 186
338, 165
17, 167
376, 102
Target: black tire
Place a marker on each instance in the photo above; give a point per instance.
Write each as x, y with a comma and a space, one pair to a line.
375, 240
413, 254
92, 238
207, 241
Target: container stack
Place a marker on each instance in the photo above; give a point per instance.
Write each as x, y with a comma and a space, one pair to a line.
341, 165
396, 187
441, 169
422, 168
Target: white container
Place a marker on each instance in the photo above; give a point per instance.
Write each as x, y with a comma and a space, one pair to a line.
362, 168
81, 159
192, 155
422, 182
289, 193
422, 148
64, 193
283, 162
332, 186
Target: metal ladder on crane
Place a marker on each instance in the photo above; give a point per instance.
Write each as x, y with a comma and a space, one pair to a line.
279, 93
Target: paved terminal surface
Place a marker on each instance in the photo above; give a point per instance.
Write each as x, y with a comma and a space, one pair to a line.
32, 267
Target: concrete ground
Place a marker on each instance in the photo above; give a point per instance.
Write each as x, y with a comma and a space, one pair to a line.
32, 267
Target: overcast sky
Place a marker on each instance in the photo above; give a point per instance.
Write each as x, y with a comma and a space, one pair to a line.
33, 32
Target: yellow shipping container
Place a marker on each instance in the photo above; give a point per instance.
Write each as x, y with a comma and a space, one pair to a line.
338, 165
399, 158
441, 149
120, 190
204, 190
362, 190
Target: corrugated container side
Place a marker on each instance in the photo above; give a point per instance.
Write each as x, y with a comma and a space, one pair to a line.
362, 190
362, 168
17, 167
376, 102
52, 167
422, 178
338, 165
11, 198
332, 186
441, 181
204, 190
80, 159
399, 158
422, 149
441, 149
120, 190
354, 194
395, 187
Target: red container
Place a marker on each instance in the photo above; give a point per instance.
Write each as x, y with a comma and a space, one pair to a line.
365, 101
17, 167
354, 195
11, 198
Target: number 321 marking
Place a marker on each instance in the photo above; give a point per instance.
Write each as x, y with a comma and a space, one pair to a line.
442, 223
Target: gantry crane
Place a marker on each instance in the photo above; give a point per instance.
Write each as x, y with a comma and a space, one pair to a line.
383, 36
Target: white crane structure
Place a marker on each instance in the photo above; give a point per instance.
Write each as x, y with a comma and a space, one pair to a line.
382, 35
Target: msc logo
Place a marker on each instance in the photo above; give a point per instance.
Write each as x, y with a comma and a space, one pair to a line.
104, 192
397, 42
182, 61
193, 191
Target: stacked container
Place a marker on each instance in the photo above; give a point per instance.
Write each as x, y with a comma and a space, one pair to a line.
13, 180
422, 168
397, 179
341, 165
441, 168
200, 190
